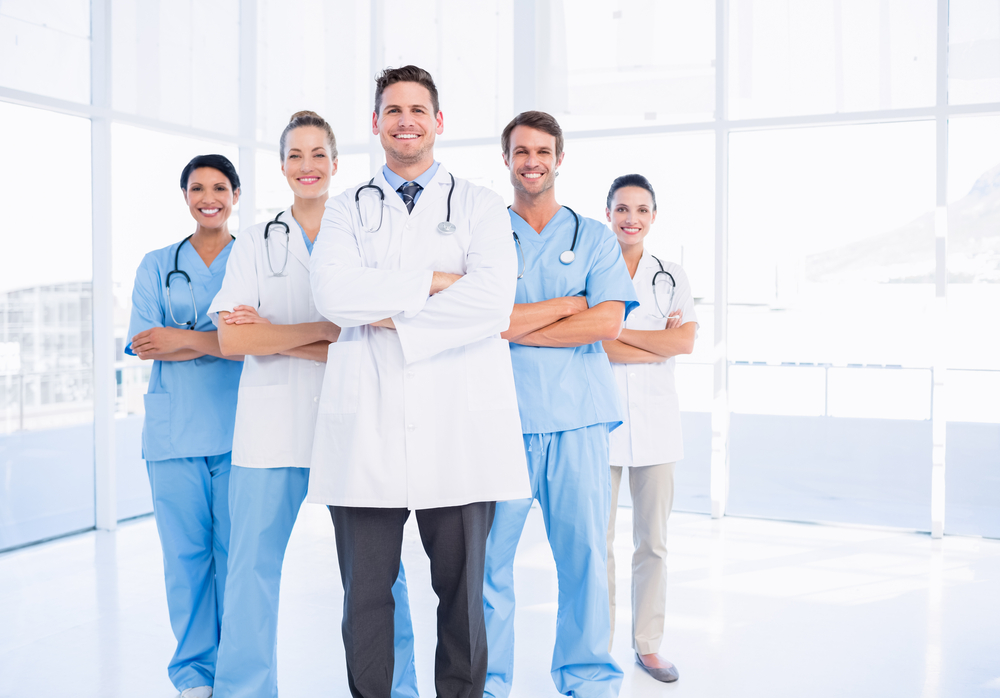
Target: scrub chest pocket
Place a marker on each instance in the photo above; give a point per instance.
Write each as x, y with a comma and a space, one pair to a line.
342, 380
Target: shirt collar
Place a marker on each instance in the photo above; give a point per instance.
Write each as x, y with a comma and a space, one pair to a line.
395, 181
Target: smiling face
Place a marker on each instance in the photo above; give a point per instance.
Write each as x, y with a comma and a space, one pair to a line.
210, 197
308, 166
631, 214
407, 125
532, 160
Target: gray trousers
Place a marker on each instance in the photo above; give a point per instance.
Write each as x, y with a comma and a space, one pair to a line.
652, 488
369, 544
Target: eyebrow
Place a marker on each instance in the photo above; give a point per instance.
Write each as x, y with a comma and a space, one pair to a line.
412, 106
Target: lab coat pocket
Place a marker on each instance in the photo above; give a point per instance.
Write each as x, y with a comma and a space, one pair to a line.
342, 380
489, 377
156, 444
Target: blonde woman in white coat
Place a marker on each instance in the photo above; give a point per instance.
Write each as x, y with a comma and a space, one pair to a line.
265, 311
649, 441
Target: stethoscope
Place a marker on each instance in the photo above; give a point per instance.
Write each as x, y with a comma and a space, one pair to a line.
267, 244
178, 270
566, 257
445, 227
673, 288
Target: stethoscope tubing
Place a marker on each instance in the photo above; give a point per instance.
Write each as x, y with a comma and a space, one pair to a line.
566, 257
177, 270
267, 244
446, 227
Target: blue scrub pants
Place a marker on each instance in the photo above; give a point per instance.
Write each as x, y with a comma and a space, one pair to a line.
264, 503
191, 508
570, 478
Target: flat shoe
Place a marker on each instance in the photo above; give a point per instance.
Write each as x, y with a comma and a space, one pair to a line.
665, 675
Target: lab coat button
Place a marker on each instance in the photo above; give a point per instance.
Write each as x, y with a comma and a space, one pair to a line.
316, 399
631, 375
410, 427
410, 374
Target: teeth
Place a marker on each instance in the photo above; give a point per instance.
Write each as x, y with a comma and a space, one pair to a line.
308, 180
406, 136
532, 175
209, 211
631, 230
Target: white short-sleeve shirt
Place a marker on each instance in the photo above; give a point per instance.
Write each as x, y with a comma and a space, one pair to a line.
651, 430
279, 395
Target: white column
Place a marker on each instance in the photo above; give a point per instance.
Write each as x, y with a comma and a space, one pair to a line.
377, 62
719, 487
939, 417
105, 385
525, 56
248, 113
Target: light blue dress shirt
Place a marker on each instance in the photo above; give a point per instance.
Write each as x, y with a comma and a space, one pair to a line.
395, 181
559, 389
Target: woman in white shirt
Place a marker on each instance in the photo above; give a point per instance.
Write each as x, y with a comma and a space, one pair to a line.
648, 443
265, 311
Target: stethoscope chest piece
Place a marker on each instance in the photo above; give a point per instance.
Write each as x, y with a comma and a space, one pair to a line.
567, 257
446, 227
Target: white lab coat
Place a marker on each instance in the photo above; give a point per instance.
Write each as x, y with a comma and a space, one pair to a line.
279, 395
425, 415
650, 433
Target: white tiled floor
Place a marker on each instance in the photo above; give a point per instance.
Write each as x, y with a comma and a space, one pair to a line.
756, 608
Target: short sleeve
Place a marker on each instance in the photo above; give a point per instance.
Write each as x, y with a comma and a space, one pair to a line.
608, 278
147, 301
239, 286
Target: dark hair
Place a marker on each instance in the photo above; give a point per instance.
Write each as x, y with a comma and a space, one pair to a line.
631, 180
408, 73
308, 118
537, 120
216, 162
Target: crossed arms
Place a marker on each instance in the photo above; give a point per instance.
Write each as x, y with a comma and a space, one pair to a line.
564, 322
652, 346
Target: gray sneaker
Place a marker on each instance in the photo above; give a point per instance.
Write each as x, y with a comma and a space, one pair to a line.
665, 675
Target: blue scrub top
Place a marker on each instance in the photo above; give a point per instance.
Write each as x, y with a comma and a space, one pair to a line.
190, 405
559, 389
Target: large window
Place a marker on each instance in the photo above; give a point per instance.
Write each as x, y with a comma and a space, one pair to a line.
46, 379
831, 284
855, 144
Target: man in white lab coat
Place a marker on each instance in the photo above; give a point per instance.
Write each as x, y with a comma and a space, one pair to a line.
418, 408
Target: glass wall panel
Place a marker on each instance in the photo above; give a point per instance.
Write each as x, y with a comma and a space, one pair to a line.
973, 438
177, 61
45, 47
467, 47
831, 265
973, 51
147, 212
621, 63
314, 55
827, 56
46, 344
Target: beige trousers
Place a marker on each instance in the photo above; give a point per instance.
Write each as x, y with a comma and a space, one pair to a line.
652, 488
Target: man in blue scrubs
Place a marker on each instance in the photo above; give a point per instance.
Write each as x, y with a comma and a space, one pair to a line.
573, 292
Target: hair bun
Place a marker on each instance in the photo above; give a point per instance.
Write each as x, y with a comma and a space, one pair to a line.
306, 112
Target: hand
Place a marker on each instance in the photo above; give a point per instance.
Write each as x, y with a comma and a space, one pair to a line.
245, 315
442, 280
386, 322
159, 340
575, 304
675, 319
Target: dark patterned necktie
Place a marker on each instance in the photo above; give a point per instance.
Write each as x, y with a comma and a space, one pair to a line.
409, 191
